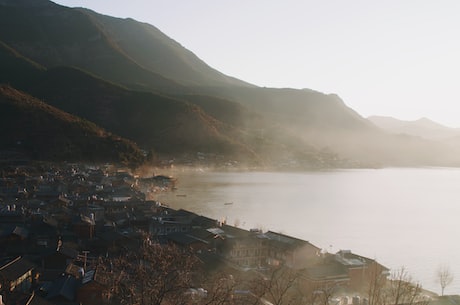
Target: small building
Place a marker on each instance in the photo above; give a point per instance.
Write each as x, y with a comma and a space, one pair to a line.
290, 251
91, 292
188, 241
84, 227
170, 221
246, 249
327, 274
62, 289
59, 259
360, 269
17, 276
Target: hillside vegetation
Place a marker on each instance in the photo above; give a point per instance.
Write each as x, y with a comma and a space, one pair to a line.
46, 133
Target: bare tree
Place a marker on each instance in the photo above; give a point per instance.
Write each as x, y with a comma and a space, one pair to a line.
220, 289
278, 286
398, 289
445, 277
402, 290
376, 283
319, 294
154, 274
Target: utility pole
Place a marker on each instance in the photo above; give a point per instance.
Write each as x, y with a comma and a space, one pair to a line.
85, 258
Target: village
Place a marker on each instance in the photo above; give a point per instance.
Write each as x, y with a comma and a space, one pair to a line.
58, 223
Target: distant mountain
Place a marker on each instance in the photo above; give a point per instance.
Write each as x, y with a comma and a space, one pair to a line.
46, 133
299, 109
423, 128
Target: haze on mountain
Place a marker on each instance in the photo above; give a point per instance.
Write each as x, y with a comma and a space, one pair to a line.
423, 128
132, 80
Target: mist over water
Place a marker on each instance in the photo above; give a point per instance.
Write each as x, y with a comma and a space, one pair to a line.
399, 216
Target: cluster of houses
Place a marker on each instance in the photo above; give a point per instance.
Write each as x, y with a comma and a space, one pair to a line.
56, 221
257, 250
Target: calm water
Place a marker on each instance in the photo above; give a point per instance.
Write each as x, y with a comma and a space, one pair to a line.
401, 217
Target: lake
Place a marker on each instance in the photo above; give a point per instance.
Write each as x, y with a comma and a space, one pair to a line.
403, 217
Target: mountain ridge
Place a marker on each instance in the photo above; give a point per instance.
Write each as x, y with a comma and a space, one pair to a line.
422, 127
140, 40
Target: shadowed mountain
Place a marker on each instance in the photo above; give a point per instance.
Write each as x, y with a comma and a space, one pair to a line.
47, 133
156, 122
162, 123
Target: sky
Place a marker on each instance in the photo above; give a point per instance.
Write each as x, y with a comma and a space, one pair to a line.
392, 58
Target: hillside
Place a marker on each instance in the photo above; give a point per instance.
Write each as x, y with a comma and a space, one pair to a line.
47, 133
157, 122
167, 125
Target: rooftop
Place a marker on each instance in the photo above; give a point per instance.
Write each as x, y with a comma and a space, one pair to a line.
15, 268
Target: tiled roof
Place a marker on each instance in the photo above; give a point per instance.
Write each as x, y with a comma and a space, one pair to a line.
201, 234
65, 287
69, 252
287, 241
15, 268
183, 238
204, 222
326, 271
20, 231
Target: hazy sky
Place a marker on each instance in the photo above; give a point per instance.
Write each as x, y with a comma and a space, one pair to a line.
393, 57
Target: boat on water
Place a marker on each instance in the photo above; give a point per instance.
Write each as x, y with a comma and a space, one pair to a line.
228, 203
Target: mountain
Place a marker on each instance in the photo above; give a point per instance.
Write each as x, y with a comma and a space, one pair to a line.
46, 133
124, 50
423, 128
134, 81
118, 41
